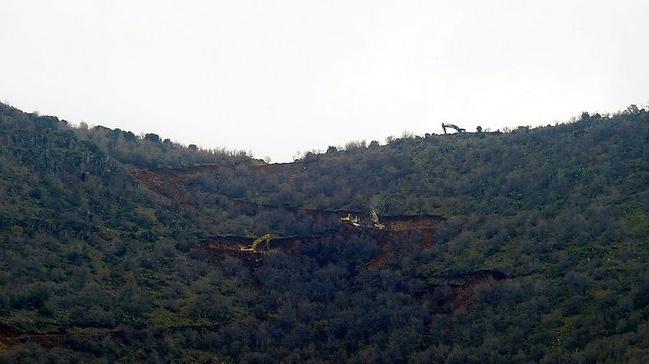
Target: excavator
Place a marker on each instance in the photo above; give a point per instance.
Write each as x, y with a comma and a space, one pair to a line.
375, 220
352, 220
356, 221
253, 246
452, 126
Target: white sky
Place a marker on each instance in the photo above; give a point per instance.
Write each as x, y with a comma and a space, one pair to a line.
276, 77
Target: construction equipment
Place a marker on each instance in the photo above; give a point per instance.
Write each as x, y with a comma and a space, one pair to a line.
375, 220
452, 126
351, 220
355, 221
253, 246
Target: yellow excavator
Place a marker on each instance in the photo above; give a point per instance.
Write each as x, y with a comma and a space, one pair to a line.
352, 220
356, 221
375, 220
452, 126
253, 246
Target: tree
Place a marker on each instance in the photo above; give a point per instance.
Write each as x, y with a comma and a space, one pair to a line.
152, 138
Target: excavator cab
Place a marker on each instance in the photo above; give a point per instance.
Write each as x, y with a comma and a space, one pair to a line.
355, 221
351, 220
452, 126
253, 246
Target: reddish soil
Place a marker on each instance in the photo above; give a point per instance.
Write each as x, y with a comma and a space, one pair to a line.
172, 185
406, 222
409, 240
156, 183
217, 247
464, 295
10, 337
418, 231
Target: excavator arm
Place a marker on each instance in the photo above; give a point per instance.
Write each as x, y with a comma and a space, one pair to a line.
452, 126
253, 246
264, 238
375, 220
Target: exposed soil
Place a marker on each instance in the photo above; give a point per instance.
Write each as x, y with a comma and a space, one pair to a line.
10, 337
418, 230
154, 183
412, 232
418, 222
464, 294
215, 248
169, 185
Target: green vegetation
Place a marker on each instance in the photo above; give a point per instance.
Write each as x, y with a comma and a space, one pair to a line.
151, 151
543, 256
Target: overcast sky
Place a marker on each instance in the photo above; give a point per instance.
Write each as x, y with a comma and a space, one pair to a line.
276, 77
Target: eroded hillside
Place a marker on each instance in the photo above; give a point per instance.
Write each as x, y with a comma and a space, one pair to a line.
527, 246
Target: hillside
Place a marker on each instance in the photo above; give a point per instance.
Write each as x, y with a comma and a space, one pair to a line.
525, 246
